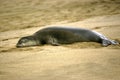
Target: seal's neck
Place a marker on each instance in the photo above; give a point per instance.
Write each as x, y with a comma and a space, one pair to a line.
35, 39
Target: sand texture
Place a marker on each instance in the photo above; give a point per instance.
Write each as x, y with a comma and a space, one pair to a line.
78, 61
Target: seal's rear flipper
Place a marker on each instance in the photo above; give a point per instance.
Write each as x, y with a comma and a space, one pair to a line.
105, 42
114, 42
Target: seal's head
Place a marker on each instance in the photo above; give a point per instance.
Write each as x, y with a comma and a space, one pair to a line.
26, 42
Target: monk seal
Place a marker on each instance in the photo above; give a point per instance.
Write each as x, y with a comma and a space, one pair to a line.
63, 35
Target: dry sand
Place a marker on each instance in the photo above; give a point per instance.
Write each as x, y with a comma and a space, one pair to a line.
79, 61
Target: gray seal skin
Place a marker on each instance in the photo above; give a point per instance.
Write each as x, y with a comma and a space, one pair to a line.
63, 35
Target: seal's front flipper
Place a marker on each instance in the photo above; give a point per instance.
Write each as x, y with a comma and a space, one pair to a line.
55, 44
53, 41
114, 42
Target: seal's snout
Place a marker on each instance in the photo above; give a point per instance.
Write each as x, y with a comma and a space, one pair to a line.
26, 42
18, 45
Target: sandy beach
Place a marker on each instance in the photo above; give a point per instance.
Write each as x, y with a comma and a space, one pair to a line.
78, 61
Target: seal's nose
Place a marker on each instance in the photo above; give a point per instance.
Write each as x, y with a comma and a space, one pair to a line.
18, 45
